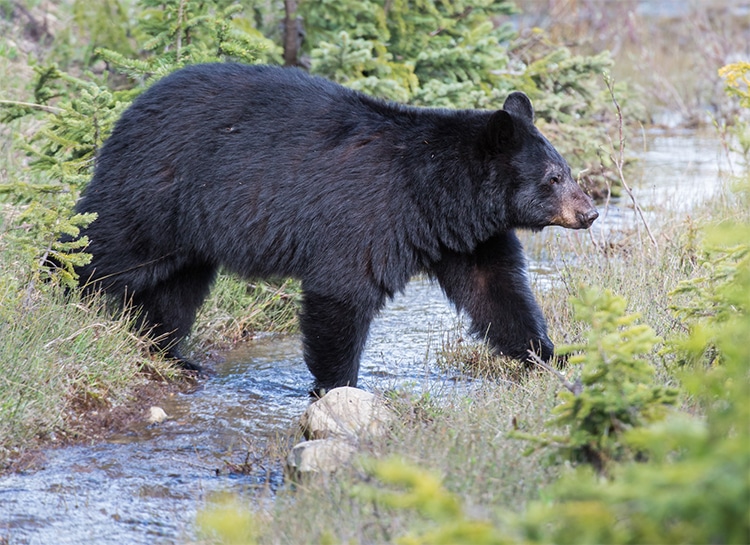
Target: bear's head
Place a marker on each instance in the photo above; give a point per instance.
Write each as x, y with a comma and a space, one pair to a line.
540, 189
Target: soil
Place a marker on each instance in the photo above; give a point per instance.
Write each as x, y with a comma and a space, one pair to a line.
91, 421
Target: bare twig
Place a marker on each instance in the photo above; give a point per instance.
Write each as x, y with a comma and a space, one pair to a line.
619, 161
292, 40
72, 336
42, 107
574, 387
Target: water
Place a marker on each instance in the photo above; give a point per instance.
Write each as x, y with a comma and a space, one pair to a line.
680, 170
146, 486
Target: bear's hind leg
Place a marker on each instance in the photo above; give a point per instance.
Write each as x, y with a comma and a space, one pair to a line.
334, 333
167, 311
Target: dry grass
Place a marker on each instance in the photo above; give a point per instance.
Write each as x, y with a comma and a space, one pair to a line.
462, 437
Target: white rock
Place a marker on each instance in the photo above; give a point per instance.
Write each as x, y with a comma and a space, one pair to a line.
156, 415
347, 413
320, 455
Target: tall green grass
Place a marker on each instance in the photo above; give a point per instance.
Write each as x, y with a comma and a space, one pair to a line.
236, 309
57, 358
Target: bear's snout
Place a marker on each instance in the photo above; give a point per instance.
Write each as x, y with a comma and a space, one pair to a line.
577, 210
585, 219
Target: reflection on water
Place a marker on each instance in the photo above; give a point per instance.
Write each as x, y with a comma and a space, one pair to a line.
146, 486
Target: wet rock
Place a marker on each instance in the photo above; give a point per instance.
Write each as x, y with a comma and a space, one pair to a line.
320, 455
347, 413
156, 415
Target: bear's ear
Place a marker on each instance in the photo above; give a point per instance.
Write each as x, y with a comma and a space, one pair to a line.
499, 132
519, 104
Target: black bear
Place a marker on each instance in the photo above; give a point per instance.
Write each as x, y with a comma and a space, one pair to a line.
268, 171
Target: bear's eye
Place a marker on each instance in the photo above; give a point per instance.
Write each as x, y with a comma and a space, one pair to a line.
554, 179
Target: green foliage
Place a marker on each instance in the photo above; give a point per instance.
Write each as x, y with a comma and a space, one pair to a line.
103, 24
737, 79
228, 522
175, 33
237, 308
423, 492
350, 61
425, 52
62, 153
614, 391
695, 488
737, 84
701, 497
710, 302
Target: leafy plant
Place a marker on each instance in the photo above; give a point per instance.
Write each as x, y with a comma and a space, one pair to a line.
102, 24
708, 301
737, 79
695, 487
737, 84
175, 33
62, 152
236, 309
423, 492
225, 520
614, 391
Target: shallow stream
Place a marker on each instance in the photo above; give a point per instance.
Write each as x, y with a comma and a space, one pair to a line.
146, 486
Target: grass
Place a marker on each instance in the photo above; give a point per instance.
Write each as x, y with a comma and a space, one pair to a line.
58, 359
461, 436
236, 309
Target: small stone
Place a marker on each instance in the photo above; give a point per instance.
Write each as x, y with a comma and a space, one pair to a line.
156, 415
347, 413
320, 455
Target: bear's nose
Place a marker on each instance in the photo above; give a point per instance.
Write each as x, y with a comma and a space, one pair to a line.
588, 217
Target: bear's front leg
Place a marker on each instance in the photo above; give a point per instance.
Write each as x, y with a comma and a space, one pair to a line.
334, 330
491, 285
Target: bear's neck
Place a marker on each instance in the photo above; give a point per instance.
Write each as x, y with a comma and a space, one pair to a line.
446, 175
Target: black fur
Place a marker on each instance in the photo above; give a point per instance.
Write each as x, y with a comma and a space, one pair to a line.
271, 172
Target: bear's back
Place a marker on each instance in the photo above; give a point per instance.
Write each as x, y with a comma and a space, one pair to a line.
265, 169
